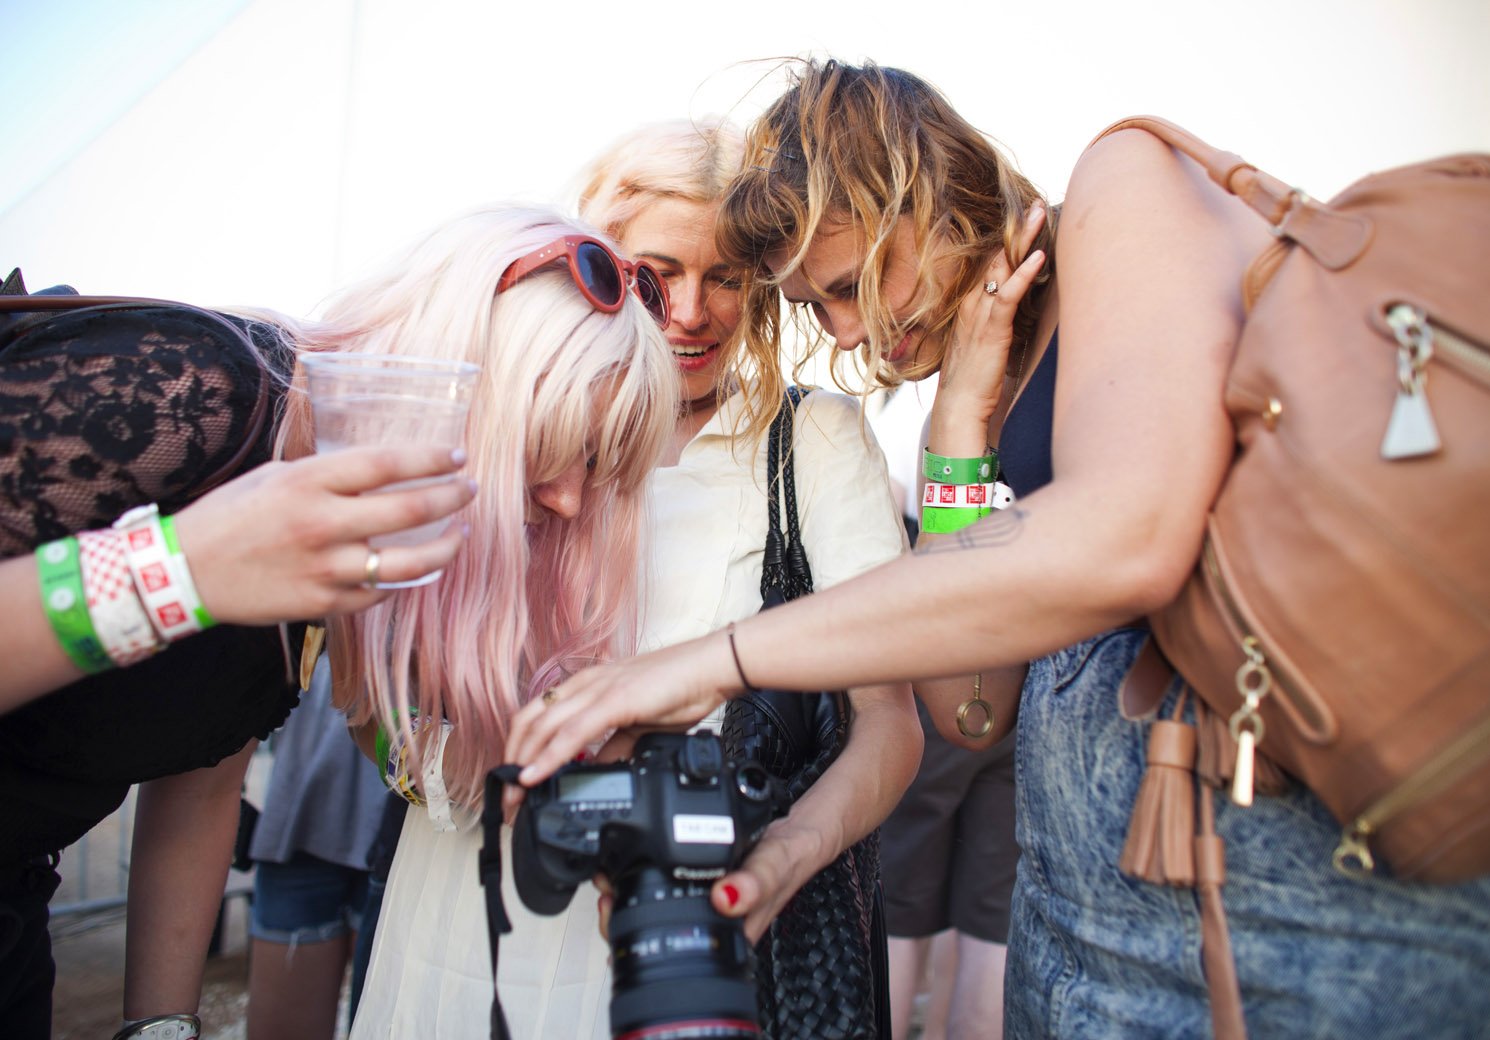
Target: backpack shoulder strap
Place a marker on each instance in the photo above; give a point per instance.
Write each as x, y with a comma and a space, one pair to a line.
1334, 239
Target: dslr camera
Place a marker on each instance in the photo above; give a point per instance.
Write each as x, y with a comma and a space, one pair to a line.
661, 827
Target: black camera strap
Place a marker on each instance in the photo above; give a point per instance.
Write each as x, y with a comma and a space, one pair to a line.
489, 864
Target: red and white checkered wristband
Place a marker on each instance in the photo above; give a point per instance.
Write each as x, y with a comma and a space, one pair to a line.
161, 576
954, 496
113, 604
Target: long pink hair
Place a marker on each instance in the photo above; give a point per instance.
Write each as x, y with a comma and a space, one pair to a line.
521, 605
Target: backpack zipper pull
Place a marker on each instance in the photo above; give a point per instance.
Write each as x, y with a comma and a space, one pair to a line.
1253, 682
1411, 432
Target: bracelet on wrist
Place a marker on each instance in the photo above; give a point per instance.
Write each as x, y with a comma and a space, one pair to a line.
951, 518
936, 496
383, 743
739, 670
60, 571
162, 1027
161, 575
118, 616
398, 777
948, 470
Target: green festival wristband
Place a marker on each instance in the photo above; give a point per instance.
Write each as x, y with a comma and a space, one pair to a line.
947, 519
383, 742
381, 747
61, 574
944, 470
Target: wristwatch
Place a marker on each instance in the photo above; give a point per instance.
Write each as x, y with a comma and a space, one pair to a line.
162, 1027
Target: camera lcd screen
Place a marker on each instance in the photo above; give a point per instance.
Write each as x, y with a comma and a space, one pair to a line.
595, 787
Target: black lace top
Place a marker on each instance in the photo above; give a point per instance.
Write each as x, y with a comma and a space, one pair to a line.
102, 409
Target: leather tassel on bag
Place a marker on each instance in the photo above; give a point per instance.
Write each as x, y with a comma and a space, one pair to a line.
1164, 845
1160, 847
1215, 940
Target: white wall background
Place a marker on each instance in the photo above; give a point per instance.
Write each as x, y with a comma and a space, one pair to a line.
264, 151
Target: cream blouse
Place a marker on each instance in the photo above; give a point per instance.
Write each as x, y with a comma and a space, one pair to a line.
708, 517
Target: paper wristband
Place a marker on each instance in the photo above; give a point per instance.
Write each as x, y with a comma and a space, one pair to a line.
173, 546
61, 577
998, 495
383, 745
118, 615
161, 576
393, 752
432, 783
946, 470
953, 518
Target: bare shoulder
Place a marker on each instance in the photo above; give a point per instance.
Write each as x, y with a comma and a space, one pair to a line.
1131, 179
1137, 212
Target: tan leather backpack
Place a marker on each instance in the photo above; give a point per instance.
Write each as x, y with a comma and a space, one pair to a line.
1339, 617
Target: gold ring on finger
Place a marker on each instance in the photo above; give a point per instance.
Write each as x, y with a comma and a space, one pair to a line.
551, 695
370, 569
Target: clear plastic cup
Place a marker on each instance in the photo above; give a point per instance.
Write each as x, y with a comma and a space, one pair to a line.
364, 399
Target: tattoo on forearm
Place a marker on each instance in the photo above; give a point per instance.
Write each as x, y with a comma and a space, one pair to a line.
1002, 528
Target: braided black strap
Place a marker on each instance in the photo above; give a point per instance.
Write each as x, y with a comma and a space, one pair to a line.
820, 969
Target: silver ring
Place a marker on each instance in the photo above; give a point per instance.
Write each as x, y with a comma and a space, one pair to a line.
370, 569
991, 287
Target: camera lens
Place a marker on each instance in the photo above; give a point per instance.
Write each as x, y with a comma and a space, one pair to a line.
681, 971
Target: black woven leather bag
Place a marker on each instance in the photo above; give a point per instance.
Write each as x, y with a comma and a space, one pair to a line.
821, 968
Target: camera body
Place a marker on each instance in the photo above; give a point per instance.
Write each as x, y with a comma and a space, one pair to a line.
661, 828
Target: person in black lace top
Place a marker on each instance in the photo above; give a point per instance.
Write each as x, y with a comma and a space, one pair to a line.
101, 410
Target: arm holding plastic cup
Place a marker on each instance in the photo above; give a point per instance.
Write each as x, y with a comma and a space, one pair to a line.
285, 541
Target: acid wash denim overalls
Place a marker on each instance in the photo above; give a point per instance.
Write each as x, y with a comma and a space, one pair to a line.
1094, 953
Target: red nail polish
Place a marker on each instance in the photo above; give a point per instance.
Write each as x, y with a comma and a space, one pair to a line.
731, 895
582, 756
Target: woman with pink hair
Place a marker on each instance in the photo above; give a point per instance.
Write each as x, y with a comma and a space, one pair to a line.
573, 407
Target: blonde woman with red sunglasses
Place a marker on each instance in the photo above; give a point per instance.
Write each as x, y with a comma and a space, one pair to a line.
658, 191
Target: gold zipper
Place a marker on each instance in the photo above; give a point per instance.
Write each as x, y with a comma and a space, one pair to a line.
1473, 356
1258, 674
1254, 681
1353, 854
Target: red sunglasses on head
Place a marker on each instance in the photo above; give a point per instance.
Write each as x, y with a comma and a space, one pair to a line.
601, 275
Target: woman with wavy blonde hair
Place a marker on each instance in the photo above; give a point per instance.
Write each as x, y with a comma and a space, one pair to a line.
572, 408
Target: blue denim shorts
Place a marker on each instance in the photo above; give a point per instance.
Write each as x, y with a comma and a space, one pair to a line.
306, 900
1094, 953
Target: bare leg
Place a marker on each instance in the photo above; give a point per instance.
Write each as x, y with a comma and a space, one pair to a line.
942, 982
977, 1011
907, 970
293, 991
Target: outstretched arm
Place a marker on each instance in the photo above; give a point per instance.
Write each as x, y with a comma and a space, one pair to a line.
183, 842
1150, 261
285, 541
